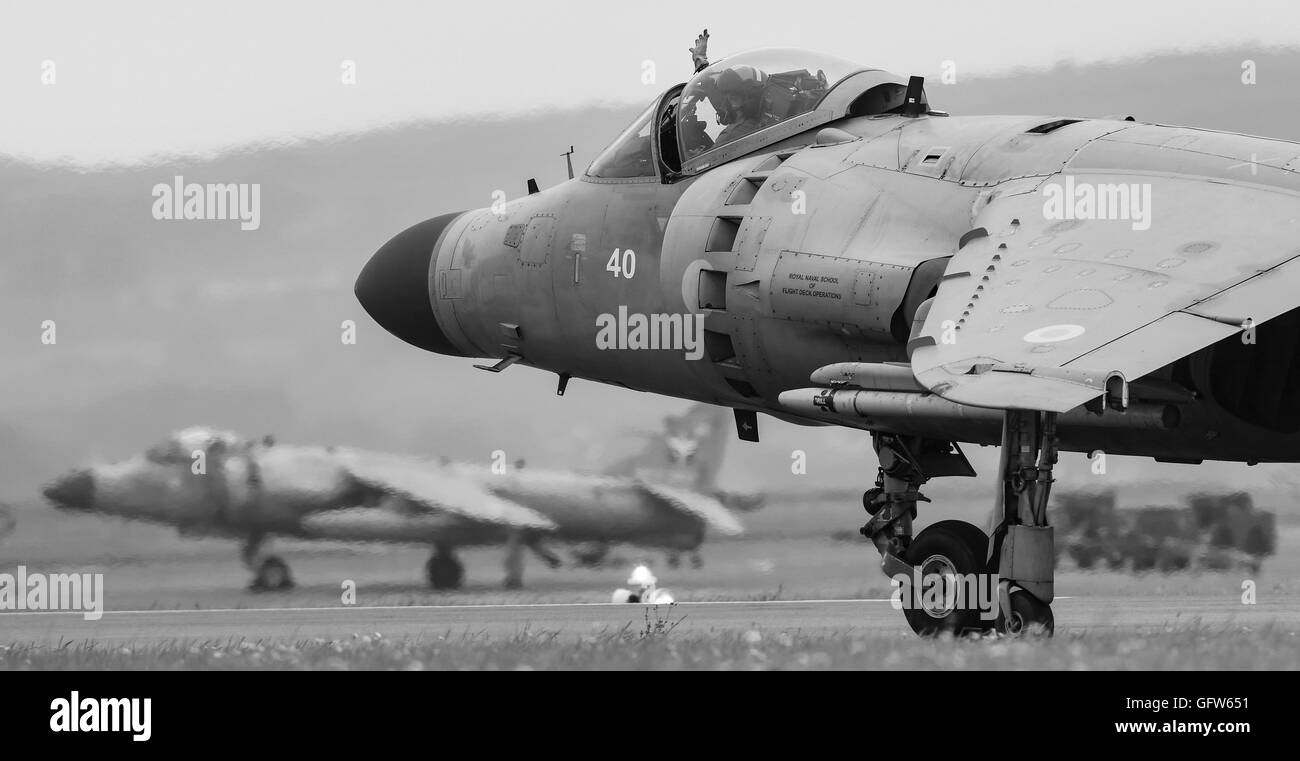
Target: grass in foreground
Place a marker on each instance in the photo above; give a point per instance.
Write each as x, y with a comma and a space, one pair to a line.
656, 646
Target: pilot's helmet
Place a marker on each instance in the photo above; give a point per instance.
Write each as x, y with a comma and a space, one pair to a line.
641, 577
736, 92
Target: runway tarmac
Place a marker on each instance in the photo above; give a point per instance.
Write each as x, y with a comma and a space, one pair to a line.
574, 620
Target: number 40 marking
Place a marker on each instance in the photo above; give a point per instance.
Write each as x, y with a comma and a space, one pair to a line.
624, 266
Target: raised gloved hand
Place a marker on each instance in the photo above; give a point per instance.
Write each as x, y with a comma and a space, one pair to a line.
700, 53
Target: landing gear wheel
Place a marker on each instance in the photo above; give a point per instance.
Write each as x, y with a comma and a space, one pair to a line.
444, 572
946, 548
1028, 617
272, 576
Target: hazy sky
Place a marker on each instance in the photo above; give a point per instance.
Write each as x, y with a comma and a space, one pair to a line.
149, 77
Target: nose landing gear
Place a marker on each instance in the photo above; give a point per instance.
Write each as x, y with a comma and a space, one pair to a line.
444, 570
273, 575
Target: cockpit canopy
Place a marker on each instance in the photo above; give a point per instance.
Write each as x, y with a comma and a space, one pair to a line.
748, 92
181, 446
630, 154
743, 104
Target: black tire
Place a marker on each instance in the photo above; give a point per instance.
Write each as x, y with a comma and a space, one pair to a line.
946, 546
273, 576
1029, 617
444, 571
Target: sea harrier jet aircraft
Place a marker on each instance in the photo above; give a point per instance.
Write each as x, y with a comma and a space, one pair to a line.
209, 482
803, 236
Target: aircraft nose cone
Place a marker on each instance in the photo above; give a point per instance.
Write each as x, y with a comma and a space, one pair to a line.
74, 491
393, 287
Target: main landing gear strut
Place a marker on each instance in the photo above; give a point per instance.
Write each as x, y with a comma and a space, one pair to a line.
952, 577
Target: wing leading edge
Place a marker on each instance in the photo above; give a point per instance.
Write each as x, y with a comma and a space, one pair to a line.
426, 484
704, 507
1038, 314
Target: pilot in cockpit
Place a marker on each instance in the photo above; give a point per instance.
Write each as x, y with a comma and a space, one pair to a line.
737, 98
735, 95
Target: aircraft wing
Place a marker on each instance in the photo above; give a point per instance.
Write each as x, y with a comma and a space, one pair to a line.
1038, 312
437, 488
704, 507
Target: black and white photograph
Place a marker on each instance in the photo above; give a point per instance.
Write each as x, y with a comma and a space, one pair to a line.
672, 336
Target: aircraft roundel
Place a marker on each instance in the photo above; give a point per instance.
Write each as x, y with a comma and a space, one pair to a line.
691, 285
1054, 334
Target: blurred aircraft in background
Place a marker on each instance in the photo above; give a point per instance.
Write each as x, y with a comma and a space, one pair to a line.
686, 454
213, 483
